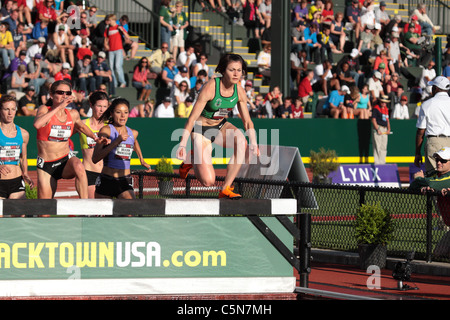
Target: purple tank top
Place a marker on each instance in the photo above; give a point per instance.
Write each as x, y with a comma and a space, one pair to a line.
119, 157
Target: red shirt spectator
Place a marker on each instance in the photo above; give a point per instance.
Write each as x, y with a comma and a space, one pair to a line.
114, 35
305, 87
45, 11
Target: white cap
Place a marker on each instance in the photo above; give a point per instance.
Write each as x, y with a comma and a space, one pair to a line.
440, 82
377, 75
354, 53
65, 65
102, 54
444, 153
345, 88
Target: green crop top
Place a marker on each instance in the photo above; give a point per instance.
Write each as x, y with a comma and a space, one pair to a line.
219, 106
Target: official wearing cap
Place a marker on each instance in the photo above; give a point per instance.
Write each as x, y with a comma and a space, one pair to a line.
434, 123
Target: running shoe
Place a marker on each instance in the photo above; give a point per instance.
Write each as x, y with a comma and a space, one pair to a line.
184, 170
229, 194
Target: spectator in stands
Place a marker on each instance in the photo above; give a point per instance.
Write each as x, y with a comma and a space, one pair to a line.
19, 39
98, 34
382, 58
328, 12
27, 104
297, 110
411, 40
260, 108
40, 29
60, 47
6, 45
297, 34
415, 23
47, 11
265, 8
425, 22
264, 61
298, 66
315, 11
337, 33
354, 67
305, 89
165, 109
277, 109
344, 75
7, 8
252, 17
64, 73
323, 78
366, 43
363, 106
201, 65
169, 72
181, 94
381, 129
375, 86
428, 74
392, 88
128, 44
25, 8
381, 16
36, 72
180, 23
140, 79
15, 63
312, 44
143, 110
401, 110
187, 58
159, 57
353, 18
327, 46
102, 73
85, 75
113, 44
182, 75
84, 49
334, 106
351, 100
165, 20
92, 18
18, 80
395, 53
300, 12
76, 41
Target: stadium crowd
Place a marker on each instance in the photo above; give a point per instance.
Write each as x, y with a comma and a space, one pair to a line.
41, 43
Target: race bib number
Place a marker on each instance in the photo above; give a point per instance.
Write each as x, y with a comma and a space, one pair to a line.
221, 113
124, 151
60, 133
9, 153
91, 142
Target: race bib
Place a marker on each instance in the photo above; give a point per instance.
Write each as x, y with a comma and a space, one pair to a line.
124, 151
221, 113
9, 153
60, 133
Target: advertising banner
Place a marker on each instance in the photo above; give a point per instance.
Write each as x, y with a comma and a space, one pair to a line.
368, 175
139, 248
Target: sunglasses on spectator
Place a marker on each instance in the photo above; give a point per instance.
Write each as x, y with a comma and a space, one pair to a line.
441, 160
61, 92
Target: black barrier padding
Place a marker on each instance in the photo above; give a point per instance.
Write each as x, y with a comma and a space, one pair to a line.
123, 207
29, 207
247, 207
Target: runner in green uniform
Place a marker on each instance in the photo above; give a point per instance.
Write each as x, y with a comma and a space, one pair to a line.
207, 123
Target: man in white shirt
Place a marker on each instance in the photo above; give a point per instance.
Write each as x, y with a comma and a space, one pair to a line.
181, 76
375, 86
187, 58
434, 123
322, 75
428, 74
35, 49
165, 109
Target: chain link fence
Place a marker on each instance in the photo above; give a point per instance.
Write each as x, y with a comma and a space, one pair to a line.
421, 220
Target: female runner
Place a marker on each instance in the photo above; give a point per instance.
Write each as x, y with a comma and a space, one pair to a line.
207, 124
99, 103
13, 152
115, 179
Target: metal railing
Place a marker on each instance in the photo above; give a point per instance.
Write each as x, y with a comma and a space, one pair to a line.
418, 223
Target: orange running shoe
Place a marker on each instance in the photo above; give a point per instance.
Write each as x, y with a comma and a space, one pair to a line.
184, 170
229, 194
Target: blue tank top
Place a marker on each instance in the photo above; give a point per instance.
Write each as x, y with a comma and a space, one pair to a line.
120, 156
11, 148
